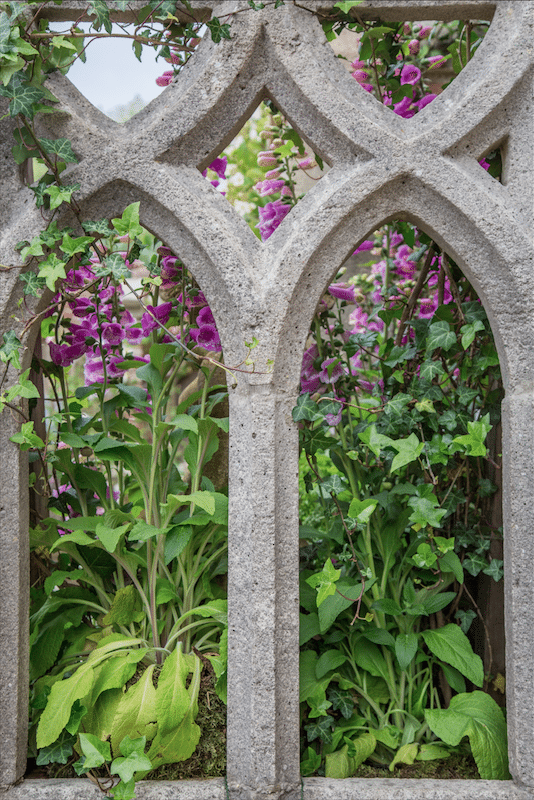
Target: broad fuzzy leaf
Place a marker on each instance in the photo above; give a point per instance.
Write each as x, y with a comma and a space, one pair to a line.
476, 715
136, 713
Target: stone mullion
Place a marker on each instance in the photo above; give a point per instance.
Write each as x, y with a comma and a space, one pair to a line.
262, 600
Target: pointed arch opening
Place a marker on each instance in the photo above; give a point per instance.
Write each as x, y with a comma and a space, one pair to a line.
128, 535
400, 545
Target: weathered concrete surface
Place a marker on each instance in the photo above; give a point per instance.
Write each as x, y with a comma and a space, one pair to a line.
425, 170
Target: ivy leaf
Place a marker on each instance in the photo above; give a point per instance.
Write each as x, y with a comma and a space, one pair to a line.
325, 581
57, 753
52, 269
124, 791
26, 438
408, 450
425, 507
100, 226
218, 31
334, 484
342, 700
11, 349
128, 224
476, 715
375, 441
62, 148
95, 753
430, 370
134, 759
306, 409
5, 31
322, 729
474, 439
34, 284
101, 12
114, 265
440, 335
346, 5
71, 246
469, 332
495, 569
23, 96
60, 194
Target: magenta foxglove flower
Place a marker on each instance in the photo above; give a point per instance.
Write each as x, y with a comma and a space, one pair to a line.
360, 75
424, 101
435, 62
63, 355
335, 419
219, 166
342, 292
153, 315
404, 109
425, 31
334, 373
267, 187
367, 244
207, 336
205, 317
414, 45
271, 216
165, 79
112, 333
410, 74
267, 159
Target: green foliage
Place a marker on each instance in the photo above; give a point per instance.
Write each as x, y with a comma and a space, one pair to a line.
477, 716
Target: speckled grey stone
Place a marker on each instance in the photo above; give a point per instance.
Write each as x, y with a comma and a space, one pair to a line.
424, 170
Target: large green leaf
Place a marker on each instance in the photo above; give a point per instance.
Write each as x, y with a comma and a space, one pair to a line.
476, 715
136, 713
405, 648
342, 765
332, 607
63, 693
369, 657
178, 734
450, 644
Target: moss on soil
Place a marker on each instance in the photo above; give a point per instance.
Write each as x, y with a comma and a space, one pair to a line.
461, 767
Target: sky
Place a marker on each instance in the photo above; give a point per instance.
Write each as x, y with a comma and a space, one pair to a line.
112, 75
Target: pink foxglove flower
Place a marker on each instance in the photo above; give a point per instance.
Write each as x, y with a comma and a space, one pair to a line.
271, 216
342, 292
165, 79
267, 159
153, 315
410, 74
265, 188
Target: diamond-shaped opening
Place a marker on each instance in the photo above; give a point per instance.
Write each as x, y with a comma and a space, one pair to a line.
107, 336
121, 74
493, 162
266, 170
405, 65
400, 515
